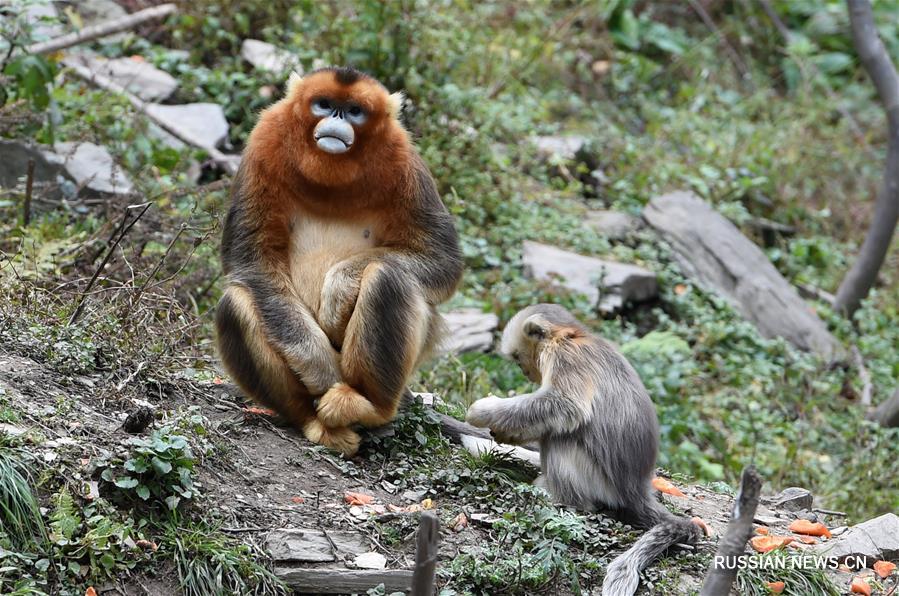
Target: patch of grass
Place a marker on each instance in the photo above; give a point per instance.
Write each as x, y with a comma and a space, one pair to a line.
211, 564
22, 526
798, 579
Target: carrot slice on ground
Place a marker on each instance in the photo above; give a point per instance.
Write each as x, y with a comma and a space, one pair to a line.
884, 568
807, 540
860, 586
259, 411
664, 485
803, 526
763, 531
764, 544
357, 498
776, 587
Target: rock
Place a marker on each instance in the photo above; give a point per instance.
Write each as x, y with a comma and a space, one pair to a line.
793, 498
614, 225
14, 156
875, 539
470, 330
559, 147
269, 58
305, 580
11, 430
203, 121
370, 560
137, 76
607, 284
714, 252
96, 11
91, 167
44, 21
312, 546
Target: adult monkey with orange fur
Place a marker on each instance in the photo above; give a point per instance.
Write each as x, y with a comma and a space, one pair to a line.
337, 249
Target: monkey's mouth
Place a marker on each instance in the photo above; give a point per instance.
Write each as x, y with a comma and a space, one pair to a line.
330, 144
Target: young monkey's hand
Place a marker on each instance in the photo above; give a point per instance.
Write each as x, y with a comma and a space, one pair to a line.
481, 412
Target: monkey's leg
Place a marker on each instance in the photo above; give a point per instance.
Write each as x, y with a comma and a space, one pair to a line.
385, 336
262, 373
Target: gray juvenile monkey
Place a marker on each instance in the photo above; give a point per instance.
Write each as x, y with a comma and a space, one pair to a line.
597, 429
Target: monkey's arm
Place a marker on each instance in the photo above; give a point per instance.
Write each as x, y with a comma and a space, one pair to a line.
527, 417
252, 261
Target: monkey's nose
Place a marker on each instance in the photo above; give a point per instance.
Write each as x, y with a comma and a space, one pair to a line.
334, 135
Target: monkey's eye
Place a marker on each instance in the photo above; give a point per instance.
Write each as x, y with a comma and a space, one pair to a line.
355, 114
322, 107
354, 111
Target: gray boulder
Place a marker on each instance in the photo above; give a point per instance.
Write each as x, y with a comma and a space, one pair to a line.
267, 57
608, 284
139, 77
713, 251
91, 167
469, 330
48, 173
875, 539
313, 546
204, 122
793, 498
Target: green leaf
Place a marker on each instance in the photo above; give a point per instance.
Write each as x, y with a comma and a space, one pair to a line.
126, 482
172, 502
107, 560
143, 492
136, 465
161, 467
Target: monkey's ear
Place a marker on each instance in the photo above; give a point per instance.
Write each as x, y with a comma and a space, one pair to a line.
294, 82
395, 104
535, 327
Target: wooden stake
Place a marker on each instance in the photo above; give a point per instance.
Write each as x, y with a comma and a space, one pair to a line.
29, 187
426, 555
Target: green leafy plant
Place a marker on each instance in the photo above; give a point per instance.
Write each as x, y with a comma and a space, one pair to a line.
22, 526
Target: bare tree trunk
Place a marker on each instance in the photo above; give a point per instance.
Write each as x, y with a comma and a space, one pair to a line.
874, 57
732, 545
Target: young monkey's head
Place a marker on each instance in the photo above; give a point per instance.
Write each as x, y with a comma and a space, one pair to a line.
533, 332
338, 124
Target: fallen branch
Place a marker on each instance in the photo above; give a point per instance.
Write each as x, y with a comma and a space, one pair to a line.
223, 160
863, 375
102, 29
887, 413
723, 571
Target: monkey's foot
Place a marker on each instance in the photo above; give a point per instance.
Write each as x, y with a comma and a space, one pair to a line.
342, 406
343, 439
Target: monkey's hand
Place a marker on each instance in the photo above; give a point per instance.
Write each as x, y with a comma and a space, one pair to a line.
482, 413
338, 300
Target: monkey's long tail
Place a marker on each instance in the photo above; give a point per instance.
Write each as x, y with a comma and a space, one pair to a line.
623, 574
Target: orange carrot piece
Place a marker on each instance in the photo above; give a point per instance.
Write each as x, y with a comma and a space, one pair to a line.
884, 568
776, 587
860, 586
765, 544
664, 485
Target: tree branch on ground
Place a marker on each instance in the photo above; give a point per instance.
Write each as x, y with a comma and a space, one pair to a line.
874, 57
887, 413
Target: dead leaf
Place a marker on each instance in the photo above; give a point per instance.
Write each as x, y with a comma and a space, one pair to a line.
776, 587
680, 289
601, 67
395, 508
884, 568
664, 486
427, 504
763, 531
860, 586
297, 500
357, 498
459, 523
259, 411
146, 545
765, 544
803, 526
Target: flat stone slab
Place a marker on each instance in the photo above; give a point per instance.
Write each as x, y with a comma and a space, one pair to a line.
313, 546
269, 58
343, 581
608, 284
875, 539
14, 156
203, 121
91, 167
559, 147
469, 330
713, 252
137, 76
613, 225
370, 560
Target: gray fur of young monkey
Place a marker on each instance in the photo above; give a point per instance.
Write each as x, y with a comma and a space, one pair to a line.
597, 429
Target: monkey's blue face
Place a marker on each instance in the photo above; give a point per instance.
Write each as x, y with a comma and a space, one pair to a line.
335, 131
